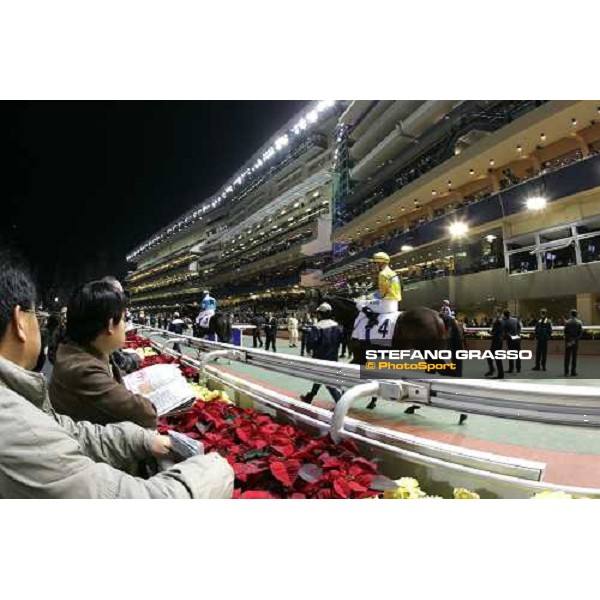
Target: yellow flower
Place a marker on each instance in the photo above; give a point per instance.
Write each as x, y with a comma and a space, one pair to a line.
408, 489
408, 482
550, 495
465, 494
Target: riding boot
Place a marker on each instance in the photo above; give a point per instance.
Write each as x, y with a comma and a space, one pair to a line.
372, 316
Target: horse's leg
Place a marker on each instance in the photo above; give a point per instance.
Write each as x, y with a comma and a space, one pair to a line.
358, 351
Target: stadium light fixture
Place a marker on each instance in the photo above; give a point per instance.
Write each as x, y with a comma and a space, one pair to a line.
490, 238
536, 203
406, 248
458, 229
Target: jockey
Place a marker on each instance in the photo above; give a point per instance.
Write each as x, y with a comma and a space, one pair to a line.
389, 292
446, 309
208, 307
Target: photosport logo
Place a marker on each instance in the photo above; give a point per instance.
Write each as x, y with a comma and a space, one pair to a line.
390, 364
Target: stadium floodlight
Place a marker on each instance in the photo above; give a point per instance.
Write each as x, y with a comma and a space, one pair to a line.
458, 229
536, 203
406, 248
490, 238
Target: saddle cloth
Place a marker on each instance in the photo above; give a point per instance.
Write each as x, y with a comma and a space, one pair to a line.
203, 319
382, 332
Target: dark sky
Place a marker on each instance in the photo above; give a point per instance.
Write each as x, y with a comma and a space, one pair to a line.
85, 182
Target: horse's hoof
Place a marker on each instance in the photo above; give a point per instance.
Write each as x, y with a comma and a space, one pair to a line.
462, 419
372, 404
411, 410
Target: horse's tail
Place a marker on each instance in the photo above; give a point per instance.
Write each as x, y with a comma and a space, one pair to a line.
220, 324
228, 330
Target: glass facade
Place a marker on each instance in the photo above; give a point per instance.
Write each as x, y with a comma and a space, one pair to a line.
555, 248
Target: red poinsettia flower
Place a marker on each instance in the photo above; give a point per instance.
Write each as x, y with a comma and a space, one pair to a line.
271, 460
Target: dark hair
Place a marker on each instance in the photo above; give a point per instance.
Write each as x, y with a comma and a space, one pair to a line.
90, 308
16, 288
573, 313
506, 313
110, 279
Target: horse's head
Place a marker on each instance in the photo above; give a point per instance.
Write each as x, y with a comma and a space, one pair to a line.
344, 309
314, 297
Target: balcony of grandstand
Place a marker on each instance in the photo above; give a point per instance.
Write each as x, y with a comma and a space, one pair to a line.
277, 222
549, 155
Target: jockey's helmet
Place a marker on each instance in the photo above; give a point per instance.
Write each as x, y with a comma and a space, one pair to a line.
381, 257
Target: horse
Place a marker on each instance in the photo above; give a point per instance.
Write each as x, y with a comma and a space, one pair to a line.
219, 325
419, 328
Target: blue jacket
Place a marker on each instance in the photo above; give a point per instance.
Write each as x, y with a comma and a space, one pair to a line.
208, 303
324, 340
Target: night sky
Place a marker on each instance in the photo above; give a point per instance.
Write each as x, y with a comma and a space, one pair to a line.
85, 182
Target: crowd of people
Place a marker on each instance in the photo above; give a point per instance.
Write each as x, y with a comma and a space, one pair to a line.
85, 435
507, 329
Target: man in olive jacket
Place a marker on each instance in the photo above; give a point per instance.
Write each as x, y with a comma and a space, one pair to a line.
47, 455
86, 385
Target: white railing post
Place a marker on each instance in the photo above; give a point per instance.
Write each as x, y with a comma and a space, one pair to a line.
363, 390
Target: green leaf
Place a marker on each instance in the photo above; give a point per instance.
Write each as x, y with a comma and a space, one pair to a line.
252, 454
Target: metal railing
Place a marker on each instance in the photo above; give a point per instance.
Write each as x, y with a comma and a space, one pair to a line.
537, 402
491, 474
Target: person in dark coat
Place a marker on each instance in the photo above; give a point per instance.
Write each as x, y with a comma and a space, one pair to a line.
573, 331
497, 333
512, 335
543, 332
270, 332
177, 326
305, 328
258, 322
324, 342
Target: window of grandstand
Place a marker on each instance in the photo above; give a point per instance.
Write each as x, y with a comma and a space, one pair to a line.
589, 241
522, 262
556, 248
479, 253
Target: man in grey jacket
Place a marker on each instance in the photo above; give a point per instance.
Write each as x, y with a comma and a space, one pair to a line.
46, 455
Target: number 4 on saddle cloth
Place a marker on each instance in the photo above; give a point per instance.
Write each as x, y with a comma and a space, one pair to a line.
203, 319
380, 333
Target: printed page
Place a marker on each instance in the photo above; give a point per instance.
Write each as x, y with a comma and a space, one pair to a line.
148, 380
172, 395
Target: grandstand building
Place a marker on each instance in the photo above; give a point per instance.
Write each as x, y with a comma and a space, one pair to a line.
266, 233
486, 203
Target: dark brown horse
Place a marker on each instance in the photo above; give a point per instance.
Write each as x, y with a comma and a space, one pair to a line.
219, 325
418, 328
